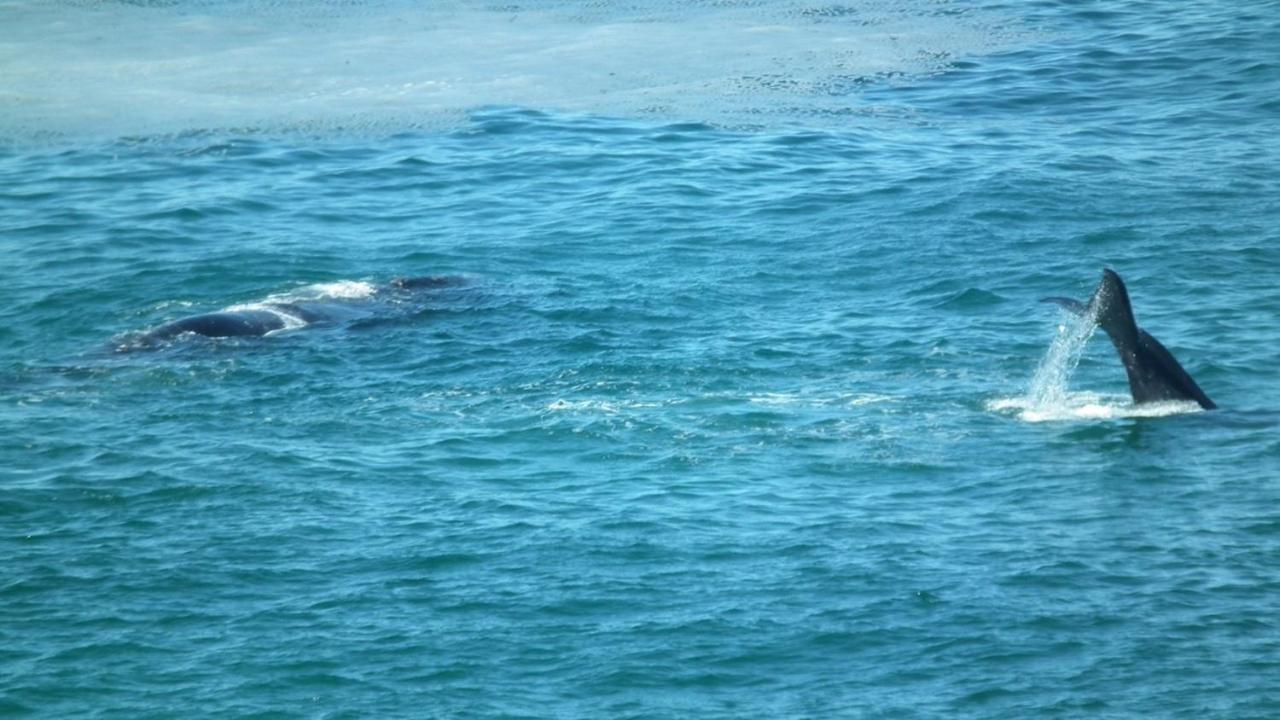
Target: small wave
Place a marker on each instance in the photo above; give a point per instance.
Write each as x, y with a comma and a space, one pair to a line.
774, 399
603, 406
971, 298
600, 405
812, 400
869, 399
1089, 406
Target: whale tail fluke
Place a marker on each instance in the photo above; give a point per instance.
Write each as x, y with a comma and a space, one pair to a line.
1154, 374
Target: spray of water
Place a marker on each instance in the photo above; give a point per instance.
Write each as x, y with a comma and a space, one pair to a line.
1048, 387
1048, 397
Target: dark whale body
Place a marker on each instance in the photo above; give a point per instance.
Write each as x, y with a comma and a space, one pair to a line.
1154, 374
221, 324
271, 316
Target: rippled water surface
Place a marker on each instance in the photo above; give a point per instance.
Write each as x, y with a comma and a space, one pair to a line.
744, 404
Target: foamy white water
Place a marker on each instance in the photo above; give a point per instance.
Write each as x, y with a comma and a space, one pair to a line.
1090, 406
338, 290
342, 289
278, 303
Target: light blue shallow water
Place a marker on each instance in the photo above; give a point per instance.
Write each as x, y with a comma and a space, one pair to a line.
715, 429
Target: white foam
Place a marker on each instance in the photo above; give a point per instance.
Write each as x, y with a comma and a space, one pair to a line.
73, 67
774, 399
291, 321
608, 407
868, 399
582, 405
339, 290
278, 303
818, 400
343, 289
1089, 406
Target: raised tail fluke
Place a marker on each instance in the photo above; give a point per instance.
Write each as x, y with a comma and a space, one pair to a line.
1112, 310
1154, 374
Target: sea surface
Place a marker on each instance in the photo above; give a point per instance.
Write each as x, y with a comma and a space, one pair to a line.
744, 404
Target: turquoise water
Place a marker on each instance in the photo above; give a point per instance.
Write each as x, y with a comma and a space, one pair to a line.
733, 417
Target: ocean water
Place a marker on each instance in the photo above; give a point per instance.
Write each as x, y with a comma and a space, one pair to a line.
745, 405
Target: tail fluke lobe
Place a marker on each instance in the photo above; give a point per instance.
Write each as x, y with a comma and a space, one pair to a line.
1160, 377
1111, 310
1154, 374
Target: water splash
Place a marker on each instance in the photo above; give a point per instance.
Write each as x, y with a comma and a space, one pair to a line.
1048, 387
1048, 397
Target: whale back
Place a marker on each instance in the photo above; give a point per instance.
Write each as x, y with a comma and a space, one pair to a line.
221, 324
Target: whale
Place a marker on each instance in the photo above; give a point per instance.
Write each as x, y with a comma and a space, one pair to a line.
283, 312
1154, 375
